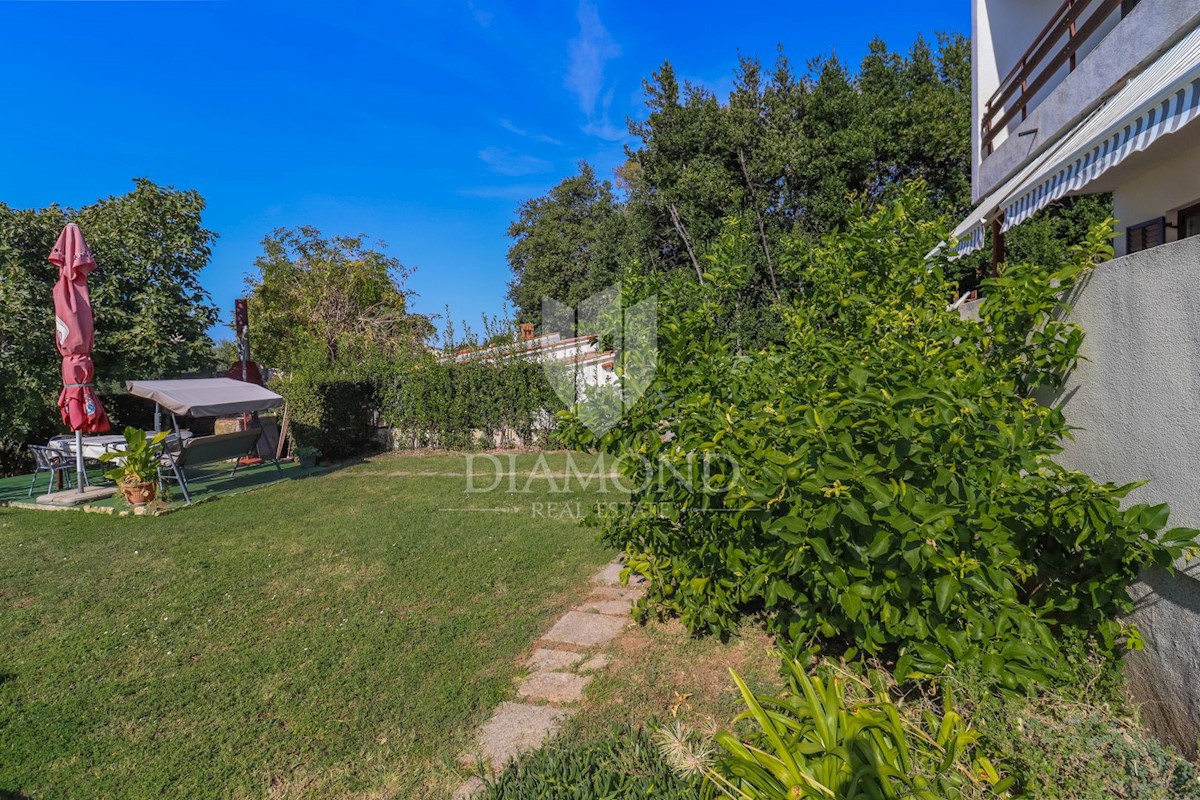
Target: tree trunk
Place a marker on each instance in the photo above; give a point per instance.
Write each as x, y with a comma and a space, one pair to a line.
687, 242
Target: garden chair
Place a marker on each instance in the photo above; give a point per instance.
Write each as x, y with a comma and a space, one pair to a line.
49, 459
181, 454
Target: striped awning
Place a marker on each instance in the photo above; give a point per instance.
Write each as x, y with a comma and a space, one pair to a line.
1158, 101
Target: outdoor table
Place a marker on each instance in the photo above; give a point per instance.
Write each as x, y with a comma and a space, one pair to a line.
93, 446
96, 446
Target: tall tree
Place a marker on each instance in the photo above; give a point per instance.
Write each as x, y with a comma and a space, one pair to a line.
329, 303
787, 152
152, 314
568, 244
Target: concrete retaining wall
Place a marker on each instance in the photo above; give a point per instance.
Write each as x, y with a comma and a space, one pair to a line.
1137, 400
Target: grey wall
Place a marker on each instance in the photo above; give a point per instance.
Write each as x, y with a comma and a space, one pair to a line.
1150, 28
1137, 400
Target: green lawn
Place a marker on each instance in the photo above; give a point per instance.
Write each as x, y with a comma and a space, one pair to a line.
329, 636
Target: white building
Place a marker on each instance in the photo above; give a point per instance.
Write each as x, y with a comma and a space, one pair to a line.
1086, 96
581, 355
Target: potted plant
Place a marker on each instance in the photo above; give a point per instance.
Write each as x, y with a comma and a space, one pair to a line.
307, 456
136, 470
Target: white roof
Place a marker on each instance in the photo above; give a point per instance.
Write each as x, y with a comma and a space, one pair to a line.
206, 397
1158, 101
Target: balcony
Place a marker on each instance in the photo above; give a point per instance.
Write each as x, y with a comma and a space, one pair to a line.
1073, 30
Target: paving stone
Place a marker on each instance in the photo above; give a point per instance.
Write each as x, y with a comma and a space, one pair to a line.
546, 660
611, 574
74, 497
617, 593
516, 728
593, 664
554, 687
615, 608
468, 789
586, 630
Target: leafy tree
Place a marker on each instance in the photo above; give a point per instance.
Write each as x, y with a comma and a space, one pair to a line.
225, 352
787, 151
785, 154
567, 244
152, 315
320, 303
882, 482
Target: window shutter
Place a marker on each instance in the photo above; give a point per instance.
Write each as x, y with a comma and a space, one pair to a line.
1145, 235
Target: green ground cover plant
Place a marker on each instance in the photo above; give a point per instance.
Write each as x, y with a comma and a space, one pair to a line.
621, 764
337, 636
882, 483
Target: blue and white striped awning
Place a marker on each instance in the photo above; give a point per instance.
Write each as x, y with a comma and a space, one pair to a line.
1158, 101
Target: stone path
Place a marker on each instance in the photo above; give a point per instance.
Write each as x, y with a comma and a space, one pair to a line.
562, 663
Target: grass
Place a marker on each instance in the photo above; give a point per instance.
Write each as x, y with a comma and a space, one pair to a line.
211, 482
332, 636
658, 672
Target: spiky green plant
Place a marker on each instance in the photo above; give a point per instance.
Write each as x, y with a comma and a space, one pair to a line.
815, 742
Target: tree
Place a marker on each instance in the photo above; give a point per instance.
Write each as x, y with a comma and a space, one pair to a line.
882, 482
786, 154
567, 244
152, 315
329, 303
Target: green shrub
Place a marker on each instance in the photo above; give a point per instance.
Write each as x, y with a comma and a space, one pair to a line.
337, 417
623, 765
1077, 742
487, 403
815, 741
882, 482
1066, 751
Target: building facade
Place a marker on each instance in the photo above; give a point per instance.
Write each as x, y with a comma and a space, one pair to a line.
1081, 97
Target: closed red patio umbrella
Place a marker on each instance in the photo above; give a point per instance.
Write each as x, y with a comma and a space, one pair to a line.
74, 331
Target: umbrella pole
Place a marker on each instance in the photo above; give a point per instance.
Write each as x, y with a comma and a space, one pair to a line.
79, 477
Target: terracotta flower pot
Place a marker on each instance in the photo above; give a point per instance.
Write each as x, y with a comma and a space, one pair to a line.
139, 494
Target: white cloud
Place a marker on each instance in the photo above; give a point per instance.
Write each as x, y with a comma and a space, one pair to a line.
589, 52
509, 162
482, 17
511, 127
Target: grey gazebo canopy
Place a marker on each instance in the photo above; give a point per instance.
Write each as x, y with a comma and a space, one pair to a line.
206, 397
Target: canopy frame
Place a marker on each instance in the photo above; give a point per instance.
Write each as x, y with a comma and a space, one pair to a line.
205, 397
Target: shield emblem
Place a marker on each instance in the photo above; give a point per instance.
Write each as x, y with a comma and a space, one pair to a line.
609, 356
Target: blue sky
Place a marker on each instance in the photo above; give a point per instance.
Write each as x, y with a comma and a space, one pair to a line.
420, 124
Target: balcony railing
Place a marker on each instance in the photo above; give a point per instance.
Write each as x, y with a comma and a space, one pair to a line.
1056, 45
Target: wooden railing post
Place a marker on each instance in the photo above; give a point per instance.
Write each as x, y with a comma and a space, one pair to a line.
1071, 33
1041, 60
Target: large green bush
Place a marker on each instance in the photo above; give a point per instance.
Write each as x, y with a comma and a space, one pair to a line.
488, 403
332, 414
151, 312
883, 481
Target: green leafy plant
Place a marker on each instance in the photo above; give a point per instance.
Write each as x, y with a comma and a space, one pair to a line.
498, 402
138, 462
307, 455
332, 412
883, 481
623, 763
816, 741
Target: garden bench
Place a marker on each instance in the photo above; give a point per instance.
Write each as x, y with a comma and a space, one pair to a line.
179, 455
